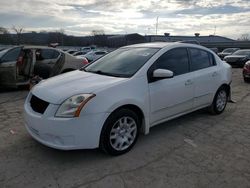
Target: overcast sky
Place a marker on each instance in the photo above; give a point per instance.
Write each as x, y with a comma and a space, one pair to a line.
230, 18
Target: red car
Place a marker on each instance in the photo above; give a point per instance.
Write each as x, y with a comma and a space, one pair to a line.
246, 71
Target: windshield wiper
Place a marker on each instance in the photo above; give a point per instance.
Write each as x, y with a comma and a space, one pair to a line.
105, 73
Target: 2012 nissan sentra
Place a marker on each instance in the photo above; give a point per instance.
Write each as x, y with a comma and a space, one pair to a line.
107, 103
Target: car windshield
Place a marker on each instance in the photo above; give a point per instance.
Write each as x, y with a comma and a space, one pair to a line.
229, 50
124, 62
242, 52
3, 52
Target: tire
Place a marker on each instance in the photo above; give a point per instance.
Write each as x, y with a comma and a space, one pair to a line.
246, 79
220, 101
120, 132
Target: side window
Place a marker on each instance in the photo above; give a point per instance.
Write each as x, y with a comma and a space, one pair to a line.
175, 60
49, 54
211, 59
56, 54
11, 55
200, 59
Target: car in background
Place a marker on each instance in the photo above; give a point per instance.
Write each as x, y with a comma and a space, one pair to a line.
71, 51
238, 58
190, 42
94, 55
246, 72
87, 49
215, 50
107, 103
19, 64
226, 52
79, 53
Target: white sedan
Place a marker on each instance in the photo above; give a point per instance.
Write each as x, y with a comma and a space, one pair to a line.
107, 103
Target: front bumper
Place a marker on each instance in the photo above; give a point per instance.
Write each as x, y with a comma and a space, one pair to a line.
64, 133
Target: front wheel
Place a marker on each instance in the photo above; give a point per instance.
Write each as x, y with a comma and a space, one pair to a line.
120, 132
220, 101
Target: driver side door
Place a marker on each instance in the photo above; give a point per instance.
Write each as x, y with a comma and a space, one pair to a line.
171, 96
8, 67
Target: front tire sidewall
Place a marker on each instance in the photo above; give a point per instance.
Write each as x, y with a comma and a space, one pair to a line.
105, 134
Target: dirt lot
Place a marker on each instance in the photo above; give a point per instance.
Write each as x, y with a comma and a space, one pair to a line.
197, 150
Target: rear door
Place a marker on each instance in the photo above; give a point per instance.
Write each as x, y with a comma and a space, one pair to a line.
207, 76
47, 56
8, 66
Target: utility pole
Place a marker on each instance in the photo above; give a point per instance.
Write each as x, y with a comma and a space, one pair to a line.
156, 26
214, 30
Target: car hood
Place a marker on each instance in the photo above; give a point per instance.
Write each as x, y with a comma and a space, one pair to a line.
57, 89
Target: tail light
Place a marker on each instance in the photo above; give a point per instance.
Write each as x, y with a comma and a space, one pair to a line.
85, 61
247, 66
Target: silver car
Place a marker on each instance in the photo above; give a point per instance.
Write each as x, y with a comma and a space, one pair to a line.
19, 64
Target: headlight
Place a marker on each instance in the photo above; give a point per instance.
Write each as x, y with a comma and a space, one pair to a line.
73, 105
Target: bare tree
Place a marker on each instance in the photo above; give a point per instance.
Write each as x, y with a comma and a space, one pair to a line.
5, 37
18, 31
99, 37
244, 37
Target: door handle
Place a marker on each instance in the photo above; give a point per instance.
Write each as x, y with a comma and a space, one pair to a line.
214, 74
188, 82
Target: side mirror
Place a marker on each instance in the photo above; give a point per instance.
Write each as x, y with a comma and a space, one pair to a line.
162, 73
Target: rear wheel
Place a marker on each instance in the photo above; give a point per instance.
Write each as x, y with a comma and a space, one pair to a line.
220, 101
120, 132
246, 79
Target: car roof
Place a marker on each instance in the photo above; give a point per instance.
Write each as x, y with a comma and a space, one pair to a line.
162, 45
38, 47
244, 50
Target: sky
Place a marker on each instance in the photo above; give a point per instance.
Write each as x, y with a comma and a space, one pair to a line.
229, 18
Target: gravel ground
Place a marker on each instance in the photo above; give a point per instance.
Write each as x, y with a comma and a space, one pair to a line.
197, 150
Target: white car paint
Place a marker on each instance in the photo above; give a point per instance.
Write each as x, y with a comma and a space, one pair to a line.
159, 101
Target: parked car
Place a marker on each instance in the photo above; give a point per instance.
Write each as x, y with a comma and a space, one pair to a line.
190, 41
94, 55
107, 103
215, 50
226, 52
87, 49
246, 72
238, 58
78, 53
72, 51
19, 64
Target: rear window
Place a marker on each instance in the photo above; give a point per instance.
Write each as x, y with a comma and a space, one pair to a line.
49, 54
200, 59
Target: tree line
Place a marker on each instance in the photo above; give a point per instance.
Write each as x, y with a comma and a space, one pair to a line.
18, 36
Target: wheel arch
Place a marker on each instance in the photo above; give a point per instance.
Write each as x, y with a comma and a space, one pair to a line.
228, 89
141, 114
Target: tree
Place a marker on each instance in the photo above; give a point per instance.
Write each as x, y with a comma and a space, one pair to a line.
244, 37
99, 37
5, 37
18, 31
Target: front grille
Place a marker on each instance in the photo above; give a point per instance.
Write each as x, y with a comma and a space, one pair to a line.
38, 105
